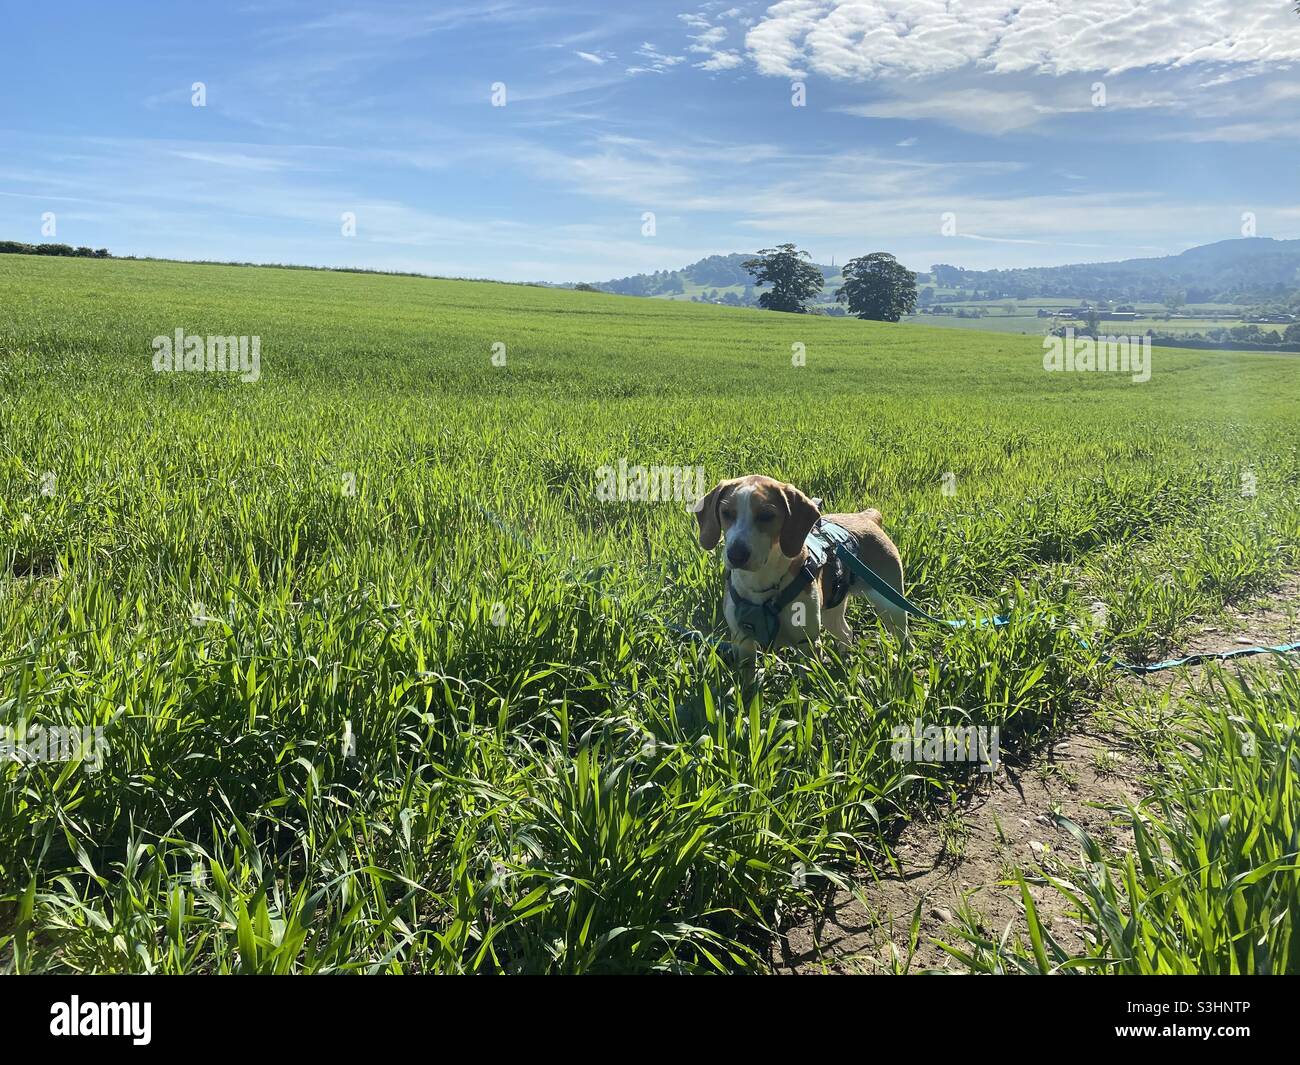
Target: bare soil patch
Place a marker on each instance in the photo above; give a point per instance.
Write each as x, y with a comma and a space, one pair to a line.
964, 856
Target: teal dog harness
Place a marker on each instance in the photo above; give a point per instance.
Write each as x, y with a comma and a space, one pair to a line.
761, 622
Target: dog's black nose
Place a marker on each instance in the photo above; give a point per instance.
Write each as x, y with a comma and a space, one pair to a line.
738, 554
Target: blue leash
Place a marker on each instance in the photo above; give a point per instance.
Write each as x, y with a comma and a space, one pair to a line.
1208, 656
843, 543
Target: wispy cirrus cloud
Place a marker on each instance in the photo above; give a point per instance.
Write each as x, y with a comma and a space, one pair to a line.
653, 61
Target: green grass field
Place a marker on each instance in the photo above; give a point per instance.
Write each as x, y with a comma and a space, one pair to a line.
354, 722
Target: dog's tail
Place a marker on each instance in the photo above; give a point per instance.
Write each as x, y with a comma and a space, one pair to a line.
875, 516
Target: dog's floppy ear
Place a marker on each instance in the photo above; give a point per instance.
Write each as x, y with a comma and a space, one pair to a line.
802, 514
706, 513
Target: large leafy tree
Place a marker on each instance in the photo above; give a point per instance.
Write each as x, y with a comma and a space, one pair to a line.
794, 281
879, 287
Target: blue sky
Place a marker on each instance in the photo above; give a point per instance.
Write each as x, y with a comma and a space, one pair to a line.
984, 109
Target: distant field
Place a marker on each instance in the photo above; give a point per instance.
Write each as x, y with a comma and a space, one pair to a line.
998, 322
386, 687
1032, 305
1198, 325
1026, 319
994, 323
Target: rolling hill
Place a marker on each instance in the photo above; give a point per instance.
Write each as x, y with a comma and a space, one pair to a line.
1243, 271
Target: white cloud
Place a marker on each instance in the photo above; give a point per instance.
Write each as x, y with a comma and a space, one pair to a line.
591, 57
237, 160
712, 33
656, 61
987, 110
721, 61
1236, 133
1179, 106
860, 39
708, 41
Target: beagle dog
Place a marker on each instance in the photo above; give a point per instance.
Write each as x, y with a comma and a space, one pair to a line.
764, 524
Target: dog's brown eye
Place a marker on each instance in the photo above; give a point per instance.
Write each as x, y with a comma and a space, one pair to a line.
767, 515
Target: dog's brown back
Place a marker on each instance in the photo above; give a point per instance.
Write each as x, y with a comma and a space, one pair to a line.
873, 546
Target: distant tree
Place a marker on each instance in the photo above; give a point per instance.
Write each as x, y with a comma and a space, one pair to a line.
878, 287
1174, 300
582, 286
945, 276
1292, 334
1093, 324
794, 281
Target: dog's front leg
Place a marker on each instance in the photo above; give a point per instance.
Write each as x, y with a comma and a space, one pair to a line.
746, 661
836, 623
744, 648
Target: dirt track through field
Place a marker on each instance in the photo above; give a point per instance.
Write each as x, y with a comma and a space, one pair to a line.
963, 855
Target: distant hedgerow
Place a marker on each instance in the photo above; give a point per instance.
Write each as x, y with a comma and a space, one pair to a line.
13, 247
